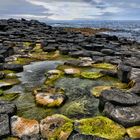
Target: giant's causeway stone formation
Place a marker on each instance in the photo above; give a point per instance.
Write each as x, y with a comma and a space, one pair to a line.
61, 83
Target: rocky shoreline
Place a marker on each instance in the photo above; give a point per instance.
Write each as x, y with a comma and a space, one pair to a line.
87, 54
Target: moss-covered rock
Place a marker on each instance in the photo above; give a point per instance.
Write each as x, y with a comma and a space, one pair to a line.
100, 126
134, 132
9, 96
6, 83
56, 127
52, 76
91, 75
104, 66
1, 92
11, 138
74, 109
23, 61
96, 91
72, 71
52, 73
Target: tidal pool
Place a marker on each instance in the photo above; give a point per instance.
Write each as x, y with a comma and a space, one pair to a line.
80, 102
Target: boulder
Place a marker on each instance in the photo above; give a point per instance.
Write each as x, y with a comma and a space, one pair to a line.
56, 127
3, 26
119, 97
52, 73
24, 127
111, 73
107, 36
96, 91
79, 63
2, 75
7, 83
50, 100
77, 54
126, 116
64, 50
136, 88
6, 51
4, 125
124, 73
94, 47
84, 137
14, 67
96, 53
50, 97
99, 126
133, 62
7, 108
2, 59
134, 132
72, 71
49, 49
98, 59
33, 137
107, 52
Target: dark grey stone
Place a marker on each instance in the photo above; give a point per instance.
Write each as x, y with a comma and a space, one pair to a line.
126, 116
7, 108
14, 67
4, 125
119, 97
124, 73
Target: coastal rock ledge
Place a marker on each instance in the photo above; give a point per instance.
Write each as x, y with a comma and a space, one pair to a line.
109, 66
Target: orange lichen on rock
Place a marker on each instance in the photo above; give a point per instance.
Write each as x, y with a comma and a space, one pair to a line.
21, 126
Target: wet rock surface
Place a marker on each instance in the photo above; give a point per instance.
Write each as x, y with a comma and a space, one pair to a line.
99, 126
56, 127
91, 61
7, 108
127, 116
24, 127
4, 125
119, 97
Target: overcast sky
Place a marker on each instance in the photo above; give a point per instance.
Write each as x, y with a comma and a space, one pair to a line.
71, 9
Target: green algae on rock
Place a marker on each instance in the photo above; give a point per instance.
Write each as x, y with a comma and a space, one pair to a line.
96, 91
52, 76
1, 92
78, 109
56, 127
104, 66
91, 75
11, 138
6, 83
23, 61
134, 132
100, 126
9, 96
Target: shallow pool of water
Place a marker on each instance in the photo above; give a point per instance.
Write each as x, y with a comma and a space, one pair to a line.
80, 102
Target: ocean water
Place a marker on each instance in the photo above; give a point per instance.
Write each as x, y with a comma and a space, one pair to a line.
126, 29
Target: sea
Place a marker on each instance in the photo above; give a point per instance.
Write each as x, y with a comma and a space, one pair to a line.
121, 28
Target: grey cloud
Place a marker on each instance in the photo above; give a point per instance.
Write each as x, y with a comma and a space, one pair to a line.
14, 7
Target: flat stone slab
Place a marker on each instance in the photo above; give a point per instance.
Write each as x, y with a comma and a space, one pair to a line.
127, 116
4, 125
24, 127
120, 97
7, 108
